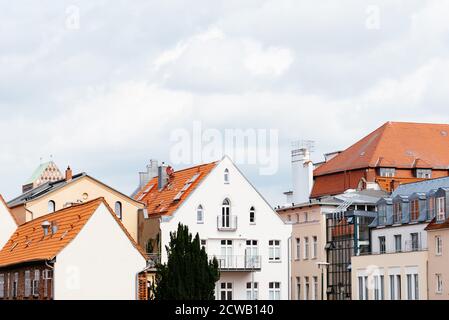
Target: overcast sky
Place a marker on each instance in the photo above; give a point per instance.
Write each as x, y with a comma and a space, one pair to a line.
100, 85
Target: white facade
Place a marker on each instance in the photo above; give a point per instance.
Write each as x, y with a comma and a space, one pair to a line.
7, 223
101, 263
242, 245
405, 232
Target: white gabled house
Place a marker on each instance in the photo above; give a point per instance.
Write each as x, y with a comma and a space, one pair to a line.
7, 222
235, 224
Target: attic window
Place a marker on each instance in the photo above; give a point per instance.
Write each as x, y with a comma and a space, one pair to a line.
387, 172
424, 173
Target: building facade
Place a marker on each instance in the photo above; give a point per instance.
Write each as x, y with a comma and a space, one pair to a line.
68, 254
236, 225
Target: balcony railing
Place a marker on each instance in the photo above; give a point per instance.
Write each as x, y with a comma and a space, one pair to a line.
227, 223
153, 260
239, 263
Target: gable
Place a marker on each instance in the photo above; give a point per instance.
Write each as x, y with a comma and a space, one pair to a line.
7, 223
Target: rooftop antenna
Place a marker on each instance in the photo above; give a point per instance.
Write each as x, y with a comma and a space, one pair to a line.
304, 144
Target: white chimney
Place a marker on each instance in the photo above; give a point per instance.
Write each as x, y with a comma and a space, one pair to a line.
302, 175
152, 171
162, 176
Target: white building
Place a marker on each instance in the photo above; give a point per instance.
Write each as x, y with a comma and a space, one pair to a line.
82, 252
7, 223
235, 224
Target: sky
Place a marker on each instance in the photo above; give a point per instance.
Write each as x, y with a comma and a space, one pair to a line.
102, 86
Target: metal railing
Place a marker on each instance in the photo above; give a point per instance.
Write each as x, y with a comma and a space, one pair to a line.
227, 223
153, 259
239, 263
404, 249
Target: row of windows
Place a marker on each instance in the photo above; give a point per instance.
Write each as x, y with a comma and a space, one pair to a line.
225, 213
395, 281
310, 293
413, 244
225, 291
252, 248
9, 283
306, 251
419, 173
117, 208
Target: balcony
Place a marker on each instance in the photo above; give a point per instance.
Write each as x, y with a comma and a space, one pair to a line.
227, 223
153, 260
239, 263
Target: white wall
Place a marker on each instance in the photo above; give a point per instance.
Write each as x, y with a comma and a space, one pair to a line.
404, 230
7, 224
100, 263
269, 226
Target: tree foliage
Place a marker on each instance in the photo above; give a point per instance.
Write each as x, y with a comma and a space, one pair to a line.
188, 274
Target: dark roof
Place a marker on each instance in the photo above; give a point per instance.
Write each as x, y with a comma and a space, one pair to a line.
425, 186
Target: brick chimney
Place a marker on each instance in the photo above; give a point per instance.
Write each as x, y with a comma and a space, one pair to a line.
68, 174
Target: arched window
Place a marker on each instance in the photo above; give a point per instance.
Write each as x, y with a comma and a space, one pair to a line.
226, 214
200, 214
118, 209
252, 215
51, 206
226, 176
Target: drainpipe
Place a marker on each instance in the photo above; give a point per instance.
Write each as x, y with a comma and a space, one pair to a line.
289, 268
53, 278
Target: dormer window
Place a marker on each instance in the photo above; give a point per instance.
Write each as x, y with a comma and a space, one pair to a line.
414, 210
431, 209
51, 206
397, 212
226, 176
441, 210
382, 213
424, 173
387, 172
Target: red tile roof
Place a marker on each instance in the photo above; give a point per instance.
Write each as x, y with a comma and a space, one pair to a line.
163, 202
28, 243
395, 144
434, 225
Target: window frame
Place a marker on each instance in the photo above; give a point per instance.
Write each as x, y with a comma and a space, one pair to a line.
118, 206
274, 246
200, 211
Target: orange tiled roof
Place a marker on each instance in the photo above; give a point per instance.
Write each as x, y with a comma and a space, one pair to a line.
28, 242
7, 208
162, 202
395, 144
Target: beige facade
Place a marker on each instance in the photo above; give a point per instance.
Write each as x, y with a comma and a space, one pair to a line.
395, 276
308, 243
80, 190
438, 264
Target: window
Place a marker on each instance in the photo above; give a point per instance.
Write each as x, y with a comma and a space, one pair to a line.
398, 243
27, 283
378, 287
363, 287
424, 173
439, 283
274, 291
226, 176
314, 247
415, 241
200, 214
298, 288
51, 206
382, 213
412, 287
397, 212
438, 245
15, 285
315, 288
226, 214
395, 287
306, 288
306, 248
225, 291
441, 212
252, 291
252, 215
431, 212
414, 210
226, 253
387, 172
118, 209
298, 248
252, 254
2, 285
274, 250
35, 283
382, 245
